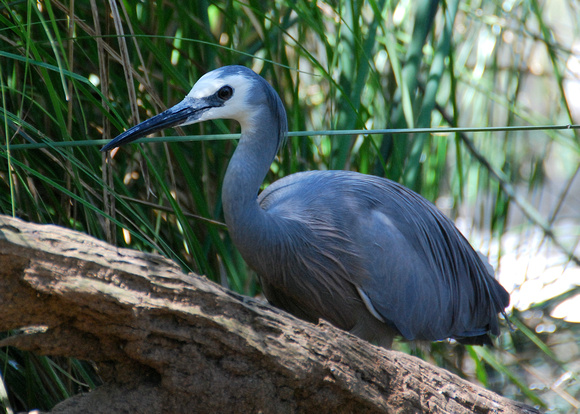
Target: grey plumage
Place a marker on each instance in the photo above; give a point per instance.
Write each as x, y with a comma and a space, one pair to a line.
363, 252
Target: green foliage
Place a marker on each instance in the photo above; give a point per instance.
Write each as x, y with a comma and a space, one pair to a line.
41, 382
81, 76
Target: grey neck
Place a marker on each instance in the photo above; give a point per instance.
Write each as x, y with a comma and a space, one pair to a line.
245, 173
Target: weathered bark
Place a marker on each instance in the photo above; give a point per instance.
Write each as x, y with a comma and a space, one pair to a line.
167, 342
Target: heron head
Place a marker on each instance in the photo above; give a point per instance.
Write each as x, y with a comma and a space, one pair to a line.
229, 92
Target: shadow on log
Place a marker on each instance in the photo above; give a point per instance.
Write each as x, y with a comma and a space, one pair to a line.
167, 342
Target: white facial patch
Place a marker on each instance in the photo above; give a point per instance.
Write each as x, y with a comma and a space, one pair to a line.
207, 85
234, 108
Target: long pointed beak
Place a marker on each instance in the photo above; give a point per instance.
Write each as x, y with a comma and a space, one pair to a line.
186, 112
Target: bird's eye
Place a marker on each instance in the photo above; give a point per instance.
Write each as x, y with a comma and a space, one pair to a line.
225, 93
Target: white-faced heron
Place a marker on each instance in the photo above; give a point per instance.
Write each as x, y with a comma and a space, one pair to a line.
362, 252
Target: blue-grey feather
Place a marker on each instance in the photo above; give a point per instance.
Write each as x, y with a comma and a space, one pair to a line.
416, 268
316, 238
363, 252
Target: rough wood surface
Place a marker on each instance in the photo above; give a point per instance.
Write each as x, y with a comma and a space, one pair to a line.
167, 342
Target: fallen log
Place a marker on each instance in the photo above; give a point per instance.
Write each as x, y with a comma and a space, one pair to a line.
169, 342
